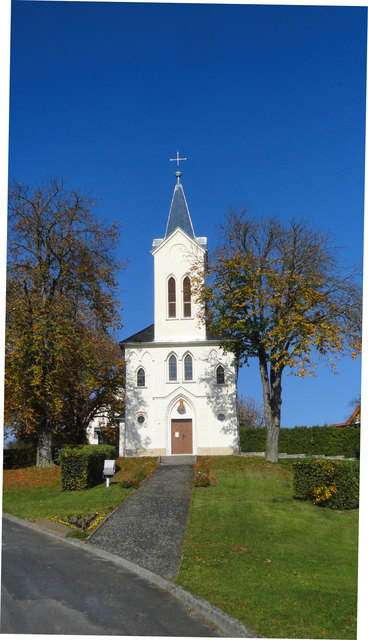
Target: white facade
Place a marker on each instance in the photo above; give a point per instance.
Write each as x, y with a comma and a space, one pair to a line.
180, 385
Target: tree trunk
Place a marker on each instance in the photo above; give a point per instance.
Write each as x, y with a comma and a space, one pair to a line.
272, 443
44, 446
271, 385
237, 411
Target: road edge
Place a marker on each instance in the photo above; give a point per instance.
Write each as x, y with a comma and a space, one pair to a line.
228, 625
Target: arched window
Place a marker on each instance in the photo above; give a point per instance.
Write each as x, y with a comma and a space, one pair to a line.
173, 368
171, 289
141, 378
220, 375
187, 298
188, 367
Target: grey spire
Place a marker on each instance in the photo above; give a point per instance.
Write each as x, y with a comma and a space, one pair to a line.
179, 213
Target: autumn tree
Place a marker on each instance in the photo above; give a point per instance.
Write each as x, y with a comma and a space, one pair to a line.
250, 414
278, 292
61, 362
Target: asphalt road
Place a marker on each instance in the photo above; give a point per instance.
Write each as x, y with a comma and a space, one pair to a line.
51, 587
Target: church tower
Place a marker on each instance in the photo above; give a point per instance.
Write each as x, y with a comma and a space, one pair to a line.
176, 313
180, 385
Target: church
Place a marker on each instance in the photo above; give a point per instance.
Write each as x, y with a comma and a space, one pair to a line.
180, 385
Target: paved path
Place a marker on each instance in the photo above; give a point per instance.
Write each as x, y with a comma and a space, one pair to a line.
149, 528
50, 586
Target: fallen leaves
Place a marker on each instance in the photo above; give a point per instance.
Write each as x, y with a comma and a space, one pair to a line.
31, 478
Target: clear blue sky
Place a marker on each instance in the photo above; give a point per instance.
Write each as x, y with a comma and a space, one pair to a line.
266, 102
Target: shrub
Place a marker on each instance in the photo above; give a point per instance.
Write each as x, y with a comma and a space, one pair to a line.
201, 479
328, 441
82, 466
128, 482
202, 473
328, 483
19, 457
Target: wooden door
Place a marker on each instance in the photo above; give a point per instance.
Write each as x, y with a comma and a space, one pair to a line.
181, 436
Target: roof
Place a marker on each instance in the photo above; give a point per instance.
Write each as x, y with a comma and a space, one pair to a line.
353, 419
148, 335
179, 214
145, 335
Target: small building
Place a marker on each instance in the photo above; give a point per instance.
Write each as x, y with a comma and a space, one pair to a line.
354, 419
180, 385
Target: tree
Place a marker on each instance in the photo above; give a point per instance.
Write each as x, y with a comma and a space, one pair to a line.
250, 414
61, 361
277, 292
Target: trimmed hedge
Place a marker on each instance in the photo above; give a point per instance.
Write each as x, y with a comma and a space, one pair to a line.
328, 483
82, 466
19, 457
327, 441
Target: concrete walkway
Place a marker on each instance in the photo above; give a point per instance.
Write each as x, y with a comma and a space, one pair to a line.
149, 528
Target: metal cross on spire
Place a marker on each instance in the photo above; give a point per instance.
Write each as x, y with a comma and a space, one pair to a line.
177, 160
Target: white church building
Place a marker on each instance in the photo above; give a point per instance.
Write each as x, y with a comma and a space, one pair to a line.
180, 385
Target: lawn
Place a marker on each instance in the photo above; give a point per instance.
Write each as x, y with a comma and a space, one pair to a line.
285, 568
33, 493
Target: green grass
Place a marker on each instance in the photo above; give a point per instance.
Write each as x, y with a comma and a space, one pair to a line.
286, 569
34, 493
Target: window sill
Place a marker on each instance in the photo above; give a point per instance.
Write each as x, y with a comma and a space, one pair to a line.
180, 318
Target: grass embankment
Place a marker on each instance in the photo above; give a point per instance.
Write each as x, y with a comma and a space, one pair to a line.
33, 493
285, 568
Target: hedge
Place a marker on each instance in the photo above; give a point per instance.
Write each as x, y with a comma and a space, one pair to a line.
328, 483
19, 457
82, 466
328, 441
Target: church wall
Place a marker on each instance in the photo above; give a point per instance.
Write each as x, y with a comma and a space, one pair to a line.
158, 401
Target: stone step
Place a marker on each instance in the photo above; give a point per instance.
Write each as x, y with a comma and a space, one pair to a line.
178, 459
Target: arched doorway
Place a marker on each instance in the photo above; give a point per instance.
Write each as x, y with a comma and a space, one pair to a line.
180, 427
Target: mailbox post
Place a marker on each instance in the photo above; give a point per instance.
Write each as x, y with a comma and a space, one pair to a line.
108, 471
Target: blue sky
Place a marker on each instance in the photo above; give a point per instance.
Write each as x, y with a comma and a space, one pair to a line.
266, 102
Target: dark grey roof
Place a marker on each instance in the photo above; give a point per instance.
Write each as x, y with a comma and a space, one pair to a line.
179, 214
146, 335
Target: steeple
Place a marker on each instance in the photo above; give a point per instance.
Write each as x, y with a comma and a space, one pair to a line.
179, 213
179, 217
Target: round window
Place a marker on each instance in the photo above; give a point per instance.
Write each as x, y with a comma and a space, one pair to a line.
141, 419
221, 417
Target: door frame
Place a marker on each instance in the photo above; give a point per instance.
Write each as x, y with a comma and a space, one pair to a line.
173, 420
171, 415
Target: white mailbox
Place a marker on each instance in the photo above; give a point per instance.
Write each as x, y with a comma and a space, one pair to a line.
108, 470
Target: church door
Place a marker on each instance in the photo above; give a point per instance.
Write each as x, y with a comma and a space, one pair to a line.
181, 436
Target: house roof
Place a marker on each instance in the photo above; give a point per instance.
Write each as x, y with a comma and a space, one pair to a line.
353, 419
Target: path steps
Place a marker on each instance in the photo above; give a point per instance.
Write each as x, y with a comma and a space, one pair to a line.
149, 527
178, 459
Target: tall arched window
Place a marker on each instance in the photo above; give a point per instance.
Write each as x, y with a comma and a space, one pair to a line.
220, 374
141, 378
187, 298
173, 368
188, 367
171, 289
